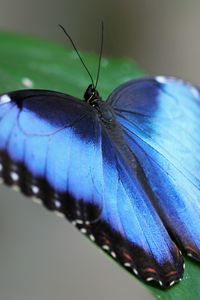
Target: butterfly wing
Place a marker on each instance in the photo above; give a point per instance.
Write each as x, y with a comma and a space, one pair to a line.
56, 149
49, 144
134, 233
160, 118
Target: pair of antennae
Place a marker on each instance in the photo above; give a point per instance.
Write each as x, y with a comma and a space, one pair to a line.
100, 54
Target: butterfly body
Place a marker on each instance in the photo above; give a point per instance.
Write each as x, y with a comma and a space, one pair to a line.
117, 169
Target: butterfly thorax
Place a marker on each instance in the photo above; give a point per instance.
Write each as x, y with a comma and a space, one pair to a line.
93, 98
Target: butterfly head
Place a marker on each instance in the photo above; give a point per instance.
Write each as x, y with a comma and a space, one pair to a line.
91, 96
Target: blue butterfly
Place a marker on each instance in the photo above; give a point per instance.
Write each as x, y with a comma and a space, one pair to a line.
126, 171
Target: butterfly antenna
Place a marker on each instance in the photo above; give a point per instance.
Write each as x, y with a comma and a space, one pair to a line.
69, 37
100, 54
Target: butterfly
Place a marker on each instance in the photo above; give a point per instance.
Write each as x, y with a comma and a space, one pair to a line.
125, 172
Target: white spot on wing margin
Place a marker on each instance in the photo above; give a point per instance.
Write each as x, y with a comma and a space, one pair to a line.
14, 176
161, 79
5, 99
35, 189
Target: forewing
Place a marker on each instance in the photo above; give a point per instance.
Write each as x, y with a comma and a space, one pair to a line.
160, 118
50, 146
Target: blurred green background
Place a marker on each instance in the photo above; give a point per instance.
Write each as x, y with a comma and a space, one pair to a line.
44, 257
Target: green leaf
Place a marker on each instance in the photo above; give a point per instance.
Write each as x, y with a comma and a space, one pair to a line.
30, 62
50, 66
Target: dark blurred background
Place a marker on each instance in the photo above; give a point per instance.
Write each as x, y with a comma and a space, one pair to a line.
42, 256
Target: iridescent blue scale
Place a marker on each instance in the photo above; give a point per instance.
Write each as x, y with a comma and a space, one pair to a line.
126, 171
